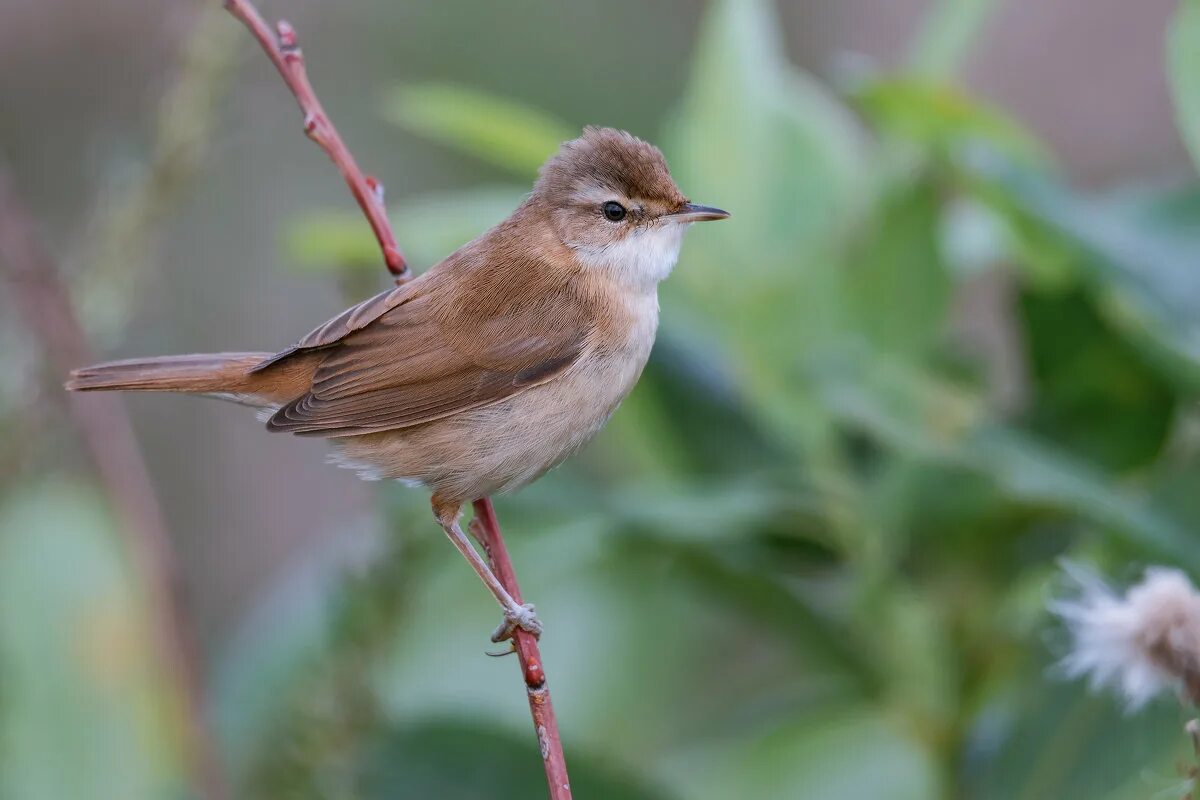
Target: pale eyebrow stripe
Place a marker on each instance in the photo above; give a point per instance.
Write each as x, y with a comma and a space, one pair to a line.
600, 194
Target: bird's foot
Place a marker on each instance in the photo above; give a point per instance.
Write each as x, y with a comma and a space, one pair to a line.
518, 616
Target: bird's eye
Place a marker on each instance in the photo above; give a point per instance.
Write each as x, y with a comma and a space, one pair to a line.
613, 211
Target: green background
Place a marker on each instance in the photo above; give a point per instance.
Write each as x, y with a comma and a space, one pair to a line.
931, 353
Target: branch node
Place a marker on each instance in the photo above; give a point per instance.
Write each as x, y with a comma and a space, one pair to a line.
535, 677
396, 264
311, 120
287, 37
376, 188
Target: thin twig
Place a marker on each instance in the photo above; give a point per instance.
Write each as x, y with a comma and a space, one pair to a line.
283, 48
486, 528
103, 423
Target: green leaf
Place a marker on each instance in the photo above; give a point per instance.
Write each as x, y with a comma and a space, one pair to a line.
847, 754
897, 283
427, 760
758, 137
430, 227
762, 139
1047, 738
1138, 259
765, 141
950, 29
697, 513
501, 131
1183, 71
85, 713
926, 418
944, 118
1093, 392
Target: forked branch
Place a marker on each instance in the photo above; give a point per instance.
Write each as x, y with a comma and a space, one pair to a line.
282, 47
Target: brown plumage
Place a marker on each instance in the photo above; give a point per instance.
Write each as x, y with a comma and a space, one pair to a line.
493, 366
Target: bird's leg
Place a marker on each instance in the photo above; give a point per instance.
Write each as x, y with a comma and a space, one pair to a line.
516, 615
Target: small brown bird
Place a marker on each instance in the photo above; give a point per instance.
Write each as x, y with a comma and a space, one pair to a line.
493, 366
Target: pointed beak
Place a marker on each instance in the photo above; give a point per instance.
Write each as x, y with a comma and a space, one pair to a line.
690, 212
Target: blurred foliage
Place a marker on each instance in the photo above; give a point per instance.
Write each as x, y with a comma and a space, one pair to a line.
810, 556
1183, 53
85, 712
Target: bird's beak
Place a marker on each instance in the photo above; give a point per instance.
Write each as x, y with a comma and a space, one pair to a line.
690, 212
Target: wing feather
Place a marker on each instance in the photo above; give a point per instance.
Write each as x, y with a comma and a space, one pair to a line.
409, 356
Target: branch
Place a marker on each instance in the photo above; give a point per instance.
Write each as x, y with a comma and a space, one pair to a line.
282, 47
103, 423
486, 528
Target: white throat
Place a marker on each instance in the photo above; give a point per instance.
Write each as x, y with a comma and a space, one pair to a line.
640, 260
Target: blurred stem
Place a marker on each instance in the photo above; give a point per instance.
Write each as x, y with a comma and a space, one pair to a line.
945, 38
1192, 729
125, 230
106, 431
313, 741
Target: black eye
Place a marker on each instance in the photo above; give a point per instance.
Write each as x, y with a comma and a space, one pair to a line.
613, 211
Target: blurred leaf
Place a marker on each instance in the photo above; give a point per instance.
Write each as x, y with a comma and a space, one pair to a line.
430, 227
944, 118
929, 419
919, 665
949, 30
973, 238
498, 130
278, 650
451, 760
1093, 394
1038, 474
762, 139
1056, 740
845, 755
765, 141
1183, 70
897, 282
1140, 262
785, 607
697, 512
84, 713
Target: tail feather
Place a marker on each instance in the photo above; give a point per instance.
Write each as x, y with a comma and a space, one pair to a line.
215, 373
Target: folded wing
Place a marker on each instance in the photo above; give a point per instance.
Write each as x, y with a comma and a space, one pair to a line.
431, 349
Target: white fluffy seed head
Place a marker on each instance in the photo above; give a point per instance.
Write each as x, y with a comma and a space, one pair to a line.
1139, 643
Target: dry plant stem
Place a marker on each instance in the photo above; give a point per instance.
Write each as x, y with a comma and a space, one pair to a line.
104, 426
486, 528
283, 48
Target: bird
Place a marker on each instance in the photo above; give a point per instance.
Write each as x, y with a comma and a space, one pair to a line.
491, 367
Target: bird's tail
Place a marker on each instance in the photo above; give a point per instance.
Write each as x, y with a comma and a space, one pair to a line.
225, 374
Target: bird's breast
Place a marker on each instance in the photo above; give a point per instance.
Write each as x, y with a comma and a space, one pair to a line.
508, 444
524, 436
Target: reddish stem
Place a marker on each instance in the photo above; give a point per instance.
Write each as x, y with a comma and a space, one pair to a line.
104, 426
284, 51
283, 48
486, 529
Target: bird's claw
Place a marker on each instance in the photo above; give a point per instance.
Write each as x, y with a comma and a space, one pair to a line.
523, 617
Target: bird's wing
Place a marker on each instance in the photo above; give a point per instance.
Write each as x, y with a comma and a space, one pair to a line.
434, 351
352, 319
